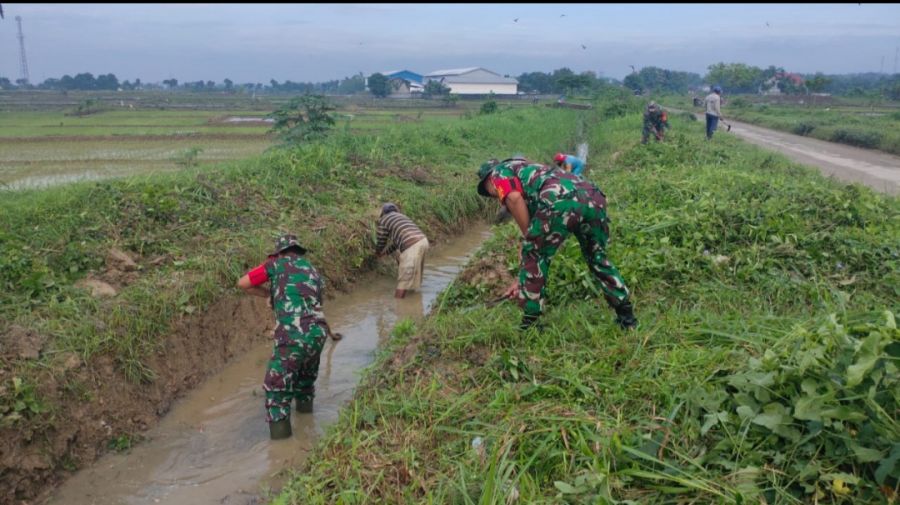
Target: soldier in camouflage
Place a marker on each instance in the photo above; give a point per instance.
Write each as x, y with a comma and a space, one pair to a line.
656, 121
548, 205
295, 295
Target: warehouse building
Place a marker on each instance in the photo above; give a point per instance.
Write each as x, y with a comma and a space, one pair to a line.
474, 81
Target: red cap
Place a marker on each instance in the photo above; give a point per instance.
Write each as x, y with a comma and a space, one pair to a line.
559, 157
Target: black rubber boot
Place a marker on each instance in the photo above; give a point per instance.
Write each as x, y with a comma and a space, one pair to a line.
528, 322
280, 429
625, 316
305, 407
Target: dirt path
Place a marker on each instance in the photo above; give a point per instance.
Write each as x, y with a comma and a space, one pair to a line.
880, 171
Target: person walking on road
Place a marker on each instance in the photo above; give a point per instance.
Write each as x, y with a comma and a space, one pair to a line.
408, 239
295, 295
656, 121
548, 205
713, 111
569, 163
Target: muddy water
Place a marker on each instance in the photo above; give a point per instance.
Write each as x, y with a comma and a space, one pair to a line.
214, 447
582, 151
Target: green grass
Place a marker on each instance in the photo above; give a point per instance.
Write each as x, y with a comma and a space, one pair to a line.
194, 232
766, 296
42, 147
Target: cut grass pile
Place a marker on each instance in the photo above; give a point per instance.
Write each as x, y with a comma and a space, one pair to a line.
764, 369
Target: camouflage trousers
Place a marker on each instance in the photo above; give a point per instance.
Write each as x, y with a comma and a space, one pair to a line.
585, 217
648, 129
292, 371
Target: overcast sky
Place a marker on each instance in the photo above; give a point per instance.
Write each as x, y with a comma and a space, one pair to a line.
317, 42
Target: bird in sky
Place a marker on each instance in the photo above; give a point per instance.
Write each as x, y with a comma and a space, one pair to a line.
562, 15
516, 20
767, 24
583, 46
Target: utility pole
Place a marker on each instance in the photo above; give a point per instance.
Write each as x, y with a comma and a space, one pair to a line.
23, 63
882, 65
896, 54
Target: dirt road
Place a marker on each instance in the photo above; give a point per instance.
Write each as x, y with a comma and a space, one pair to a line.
880, 171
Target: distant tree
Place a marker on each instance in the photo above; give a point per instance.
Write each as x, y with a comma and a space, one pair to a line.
303, 119
633, 82
435, 88
171, 83
106, 82
352, 85
817, 84
378, 85
210, 85
5, 83
229, 84
735, 77
137, 83
536, 81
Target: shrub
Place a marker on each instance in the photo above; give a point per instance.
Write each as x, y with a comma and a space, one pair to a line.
488, 107
857, 138
803, 128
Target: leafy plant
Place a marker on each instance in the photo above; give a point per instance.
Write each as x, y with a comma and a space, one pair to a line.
188, 157
818, 405
488, 107
19, 401
303, 119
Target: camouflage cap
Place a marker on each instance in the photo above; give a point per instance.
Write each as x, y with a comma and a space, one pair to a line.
286, 241
483, 173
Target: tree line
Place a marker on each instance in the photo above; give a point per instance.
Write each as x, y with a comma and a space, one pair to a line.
735, 78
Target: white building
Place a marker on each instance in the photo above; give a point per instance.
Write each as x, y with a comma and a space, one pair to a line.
474, 81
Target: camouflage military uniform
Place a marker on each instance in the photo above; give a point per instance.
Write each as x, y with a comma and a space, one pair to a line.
558, 204
654, 118
300, 333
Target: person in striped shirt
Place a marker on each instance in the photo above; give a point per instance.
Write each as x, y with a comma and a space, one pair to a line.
397, 233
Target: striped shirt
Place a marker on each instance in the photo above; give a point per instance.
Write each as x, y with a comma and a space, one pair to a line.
401, 230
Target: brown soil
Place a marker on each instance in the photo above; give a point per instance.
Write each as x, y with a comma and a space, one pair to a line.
93, 401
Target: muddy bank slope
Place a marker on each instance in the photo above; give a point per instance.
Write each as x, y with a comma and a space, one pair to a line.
118, 295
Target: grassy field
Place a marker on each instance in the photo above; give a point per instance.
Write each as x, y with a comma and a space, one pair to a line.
190, 235
47, 145
764, 369
873, 127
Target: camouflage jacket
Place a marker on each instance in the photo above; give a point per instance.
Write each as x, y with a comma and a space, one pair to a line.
542, 186
296, 291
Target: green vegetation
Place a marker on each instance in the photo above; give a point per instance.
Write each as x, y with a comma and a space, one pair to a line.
488, 107
764, 369
193, 233
379, 85
303, 119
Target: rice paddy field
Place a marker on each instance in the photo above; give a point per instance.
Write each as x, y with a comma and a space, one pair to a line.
43, 142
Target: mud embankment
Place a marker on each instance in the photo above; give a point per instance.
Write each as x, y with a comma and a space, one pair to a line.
95, 408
